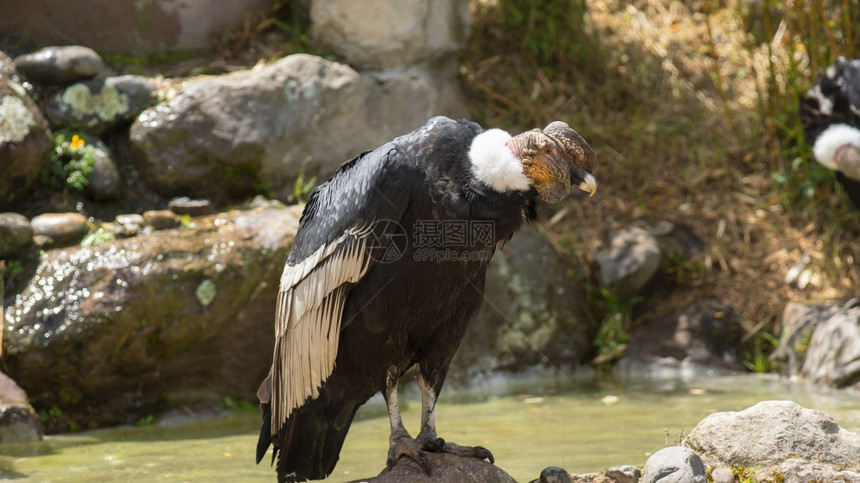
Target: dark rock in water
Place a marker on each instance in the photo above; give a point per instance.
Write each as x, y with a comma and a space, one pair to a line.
186, 206
25, 142
674, 464
15, 233
821, 343
705, 332
779, 439
161, 219
98, 105
60, 65
117, 331
553, 474
534, 312
62, 228
18, 422
445, 467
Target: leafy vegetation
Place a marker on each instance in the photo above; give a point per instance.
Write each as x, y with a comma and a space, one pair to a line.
71, 162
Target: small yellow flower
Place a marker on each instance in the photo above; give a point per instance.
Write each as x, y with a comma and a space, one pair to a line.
77, 143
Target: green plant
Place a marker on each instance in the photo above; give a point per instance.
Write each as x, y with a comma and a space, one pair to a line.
57, 419
147, 420
613, 333
303, 187
757, 358
97, 237
71, 162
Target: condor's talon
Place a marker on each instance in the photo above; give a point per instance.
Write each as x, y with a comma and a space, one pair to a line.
411, 448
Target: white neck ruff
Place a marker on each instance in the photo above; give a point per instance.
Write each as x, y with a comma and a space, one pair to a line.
494, 164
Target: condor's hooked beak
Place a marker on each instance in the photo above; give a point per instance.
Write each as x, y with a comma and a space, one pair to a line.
555, 160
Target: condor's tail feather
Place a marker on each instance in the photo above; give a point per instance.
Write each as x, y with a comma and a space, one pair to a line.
307, 447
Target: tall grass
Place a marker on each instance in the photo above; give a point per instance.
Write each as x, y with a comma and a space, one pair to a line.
797, 40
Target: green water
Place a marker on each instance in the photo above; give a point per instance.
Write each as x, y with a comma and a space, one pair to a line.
580, 427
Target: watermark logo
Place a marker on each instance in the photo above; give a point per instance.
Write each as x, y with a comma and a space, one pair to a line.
389, 247
434, 241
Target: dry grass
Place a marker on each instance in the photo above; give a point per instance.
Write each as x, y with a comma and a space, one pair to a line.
692, 110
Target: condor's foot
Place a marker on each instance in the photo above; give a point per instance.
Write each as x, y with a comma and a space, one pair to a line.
466, 451
415, 449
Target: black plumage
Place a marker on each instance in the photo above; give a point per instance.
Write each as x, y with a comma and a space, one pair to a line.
363, 296
834, 100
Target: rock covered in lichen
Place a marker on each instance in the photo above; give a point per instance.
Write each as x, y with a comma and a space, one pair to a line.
98, 105
25, 142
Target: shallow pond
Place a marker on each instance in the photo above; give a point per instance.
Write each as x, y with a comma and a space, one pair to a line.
582, 427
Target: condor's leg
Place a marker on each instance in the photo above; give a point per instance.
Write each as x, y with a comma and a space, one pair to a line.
399, 442
430, 383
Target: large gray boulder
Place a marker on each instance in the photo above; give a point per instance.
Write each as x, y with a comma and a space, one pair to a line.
25, 142
779, 438
127, 27
257, 130
387, 33
111, 333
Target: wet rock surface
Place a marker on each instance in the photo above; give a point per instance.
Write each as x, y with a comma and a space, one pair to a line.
123, 329
19, 423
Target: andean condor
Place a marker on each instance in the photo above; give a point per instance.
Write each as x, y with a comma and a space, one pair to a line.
830, 113
387, 270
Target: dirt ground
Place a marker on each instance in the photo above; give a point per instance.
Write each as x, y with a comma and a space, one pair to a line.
670, 99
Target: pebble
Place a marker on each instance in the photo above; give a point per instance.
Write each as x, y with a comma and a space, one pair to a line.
674, 464
723, 475
15, 233
105, 182
624, 474
60, 65
62, 229
129, 225
161, 219
187, 206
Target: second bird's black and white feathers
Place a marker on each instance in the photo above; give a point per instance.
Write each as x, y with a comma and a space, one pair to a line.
346, 322
830, 114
